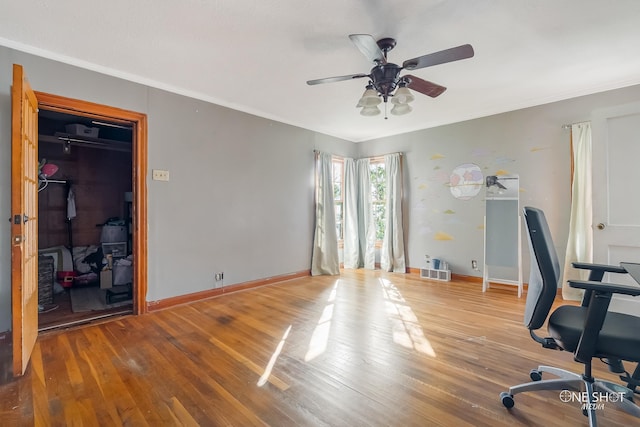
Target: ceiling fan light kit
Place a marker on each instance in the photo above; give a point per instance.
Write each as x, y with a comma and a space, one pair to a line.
384, 78
369, 98
370, 111
402, 96
401, 109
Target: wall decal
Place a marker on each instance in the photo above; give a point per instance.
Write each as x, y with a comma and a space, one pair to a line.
465, 181
441, 235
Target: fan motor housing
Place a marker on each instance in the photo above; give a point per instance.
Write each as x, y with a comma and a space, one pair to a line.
385, 77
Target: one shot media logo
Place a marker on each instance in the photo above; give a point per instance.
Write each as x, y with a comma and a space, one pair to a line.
597, 400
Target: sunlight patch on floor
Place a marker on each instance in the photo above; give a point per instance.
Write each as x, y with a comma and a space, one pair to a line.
320, 336
267, 371
406, 329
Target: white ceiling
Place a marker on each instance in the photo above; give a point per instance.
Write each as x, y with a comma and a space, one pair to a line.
256, 55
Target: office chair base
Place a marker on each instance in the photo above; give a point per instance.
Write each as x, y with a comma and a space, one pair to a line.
598, 393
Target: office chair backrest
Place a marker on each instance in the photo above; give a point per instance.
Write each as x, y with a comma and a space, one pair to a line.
545, 269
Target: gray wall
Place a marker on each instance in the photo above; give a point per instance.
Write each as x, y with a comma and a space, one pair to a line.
528, 142
240, 198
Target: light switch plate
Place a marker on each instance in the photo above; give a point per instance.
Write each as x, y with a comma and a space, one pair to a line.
160, 175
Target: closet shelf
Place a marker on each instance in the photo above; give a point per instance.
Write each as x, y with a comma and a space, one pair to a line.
85, 141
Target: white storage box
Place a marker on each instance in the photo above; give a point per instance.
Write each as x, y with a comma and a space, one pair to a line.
116, 249
82, 130
113, 234
122, 272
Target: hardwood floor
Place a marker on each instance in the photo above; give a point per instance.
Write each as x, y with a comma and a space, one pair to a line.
59, 313
362, 349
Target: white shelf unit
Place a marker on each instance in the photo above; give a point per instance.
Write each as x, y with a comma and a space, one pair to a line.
502, 248
430, 273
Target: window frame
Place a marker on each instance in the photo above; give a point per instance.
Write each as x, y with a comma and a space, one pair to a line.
378, 160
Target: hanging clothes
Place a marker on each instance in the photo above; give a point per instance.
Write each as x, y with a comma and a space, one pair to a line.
71, 204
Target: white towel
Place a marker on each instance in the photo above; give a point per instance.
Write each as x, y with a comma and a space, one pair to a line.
71, 204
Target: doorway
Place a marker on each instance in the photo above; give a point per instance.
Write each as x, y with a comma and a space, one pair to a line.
99, 255
85, 231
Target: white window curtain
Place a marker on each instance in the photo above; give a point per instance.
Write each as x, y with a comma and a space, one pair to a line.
392, 251
580, 242
366, 226
324, 257
351, 249
359, 231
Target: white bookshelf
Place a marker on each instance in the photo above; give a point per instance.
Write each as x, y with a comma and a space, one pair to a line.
431, 273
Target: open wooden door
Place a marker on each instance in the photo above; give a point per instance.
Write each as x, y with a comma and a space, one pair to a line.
24, 211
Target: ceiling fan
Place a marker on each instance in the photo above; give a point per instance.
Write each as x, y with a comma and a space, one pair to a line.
384, 77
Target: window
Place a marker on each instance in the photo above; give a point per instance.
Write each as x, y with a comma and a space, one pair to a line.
338, 194
378, 180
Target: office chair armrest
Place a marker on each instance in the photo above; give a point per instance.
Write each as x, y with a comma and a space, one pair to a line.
595, 275
600, 297
598, 270
603, 287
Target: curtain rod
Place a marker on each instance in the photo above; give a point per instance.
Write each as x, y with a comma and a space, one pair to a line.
368, 157
568, 126
382, 155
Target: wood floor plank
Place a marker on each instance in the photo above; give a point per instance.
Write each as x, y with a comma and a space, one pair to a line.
365, 348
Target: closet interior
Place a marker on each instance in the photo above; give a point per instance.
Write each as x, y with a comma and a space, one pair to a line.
85, 206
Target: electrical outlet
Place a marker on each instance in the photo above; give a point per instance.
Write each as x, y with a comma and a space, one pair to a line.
219, 276
160, 175
474, 264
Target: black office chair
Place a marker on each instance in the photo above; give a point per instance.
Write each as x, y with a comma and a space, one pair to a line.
588, 331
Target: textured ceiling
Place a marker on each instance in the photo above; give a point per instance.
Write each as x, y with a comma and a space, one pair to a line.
256, 55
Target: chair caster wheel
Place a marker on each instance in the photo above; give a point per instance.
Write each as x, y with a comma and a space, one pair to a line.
535, 375
507, 400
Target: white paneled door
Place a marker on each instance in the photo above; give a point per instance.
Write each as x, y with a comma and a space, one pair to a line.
616, 194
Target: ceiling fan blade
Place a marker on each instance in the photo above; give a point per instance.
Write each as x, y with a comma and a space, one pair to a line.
369, 47
442, 57
336, 79
423, 86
